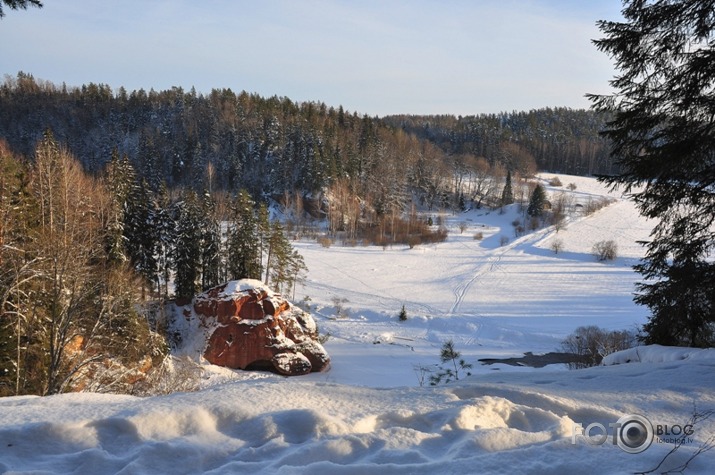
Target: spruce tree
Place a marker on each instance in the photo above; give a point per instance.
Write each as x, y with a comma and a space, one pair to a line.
18, 4
537, 202
244, 259
403, 314
131, 228
121, 180
164, 221
141, 233
507, 195
210, 244
187, 255
663, 142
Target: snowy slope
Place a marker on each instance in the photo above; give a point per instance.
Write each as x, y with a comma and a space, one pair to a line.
369, 412
493, 300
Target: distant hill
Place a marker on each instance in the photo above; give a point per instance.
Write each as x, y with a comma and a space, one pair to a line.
273, 146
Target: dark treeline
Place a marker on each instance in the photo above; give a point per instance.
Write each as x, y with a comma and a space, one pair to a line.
560, 139
274, 146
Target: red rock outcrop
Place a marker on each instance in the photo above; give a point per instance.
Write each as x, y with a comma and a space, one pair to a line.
255, 328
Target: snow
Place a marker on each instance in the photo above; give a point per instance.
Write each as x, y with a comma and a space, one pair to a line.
658, 354
369, 412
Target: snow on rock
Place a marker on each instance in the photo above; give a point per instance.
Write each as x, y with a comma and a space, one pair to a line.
249, 326
658, 354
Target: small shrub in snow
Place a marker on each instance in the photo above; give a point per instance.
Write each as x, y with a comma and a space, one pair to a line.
305, 304
571, 186
403, 314
463, 226
421, 371
325, 241
478, 236
707, 445
450, 356
413, 241
593, 343
340, 310
592, 205
555, 181
503, 240
557, 245
605, 250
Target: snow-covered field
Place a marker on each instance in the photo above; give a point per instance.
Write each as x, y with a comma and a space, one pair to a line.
369, 413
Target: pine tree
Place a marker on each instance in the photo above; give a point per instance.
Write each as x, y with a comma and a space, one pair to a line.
507, 195
278, 259
449, 354
537, 202
297, 270
663, 139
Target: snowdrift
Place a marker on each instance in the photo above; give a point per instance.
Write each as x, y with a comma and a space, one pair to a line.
497, 423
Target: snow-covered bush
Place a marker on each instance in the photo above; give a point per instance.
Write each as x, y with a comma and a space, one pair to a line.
592, 343
172, 376
593, 205
605, 250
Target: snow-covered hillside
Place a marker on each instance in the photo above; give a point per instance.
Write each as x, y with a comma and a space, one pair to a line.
492, 300
369, 412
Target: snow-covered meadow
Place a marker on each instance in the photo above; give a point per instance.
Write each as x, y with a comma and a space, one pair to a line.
370, 412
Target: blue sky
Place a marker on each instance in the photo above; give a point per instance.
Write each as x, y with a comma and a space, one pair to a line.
457, 57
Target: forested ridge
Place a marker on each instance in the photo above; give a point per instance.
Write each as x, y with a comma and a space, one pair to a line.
560, 139
272, 146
